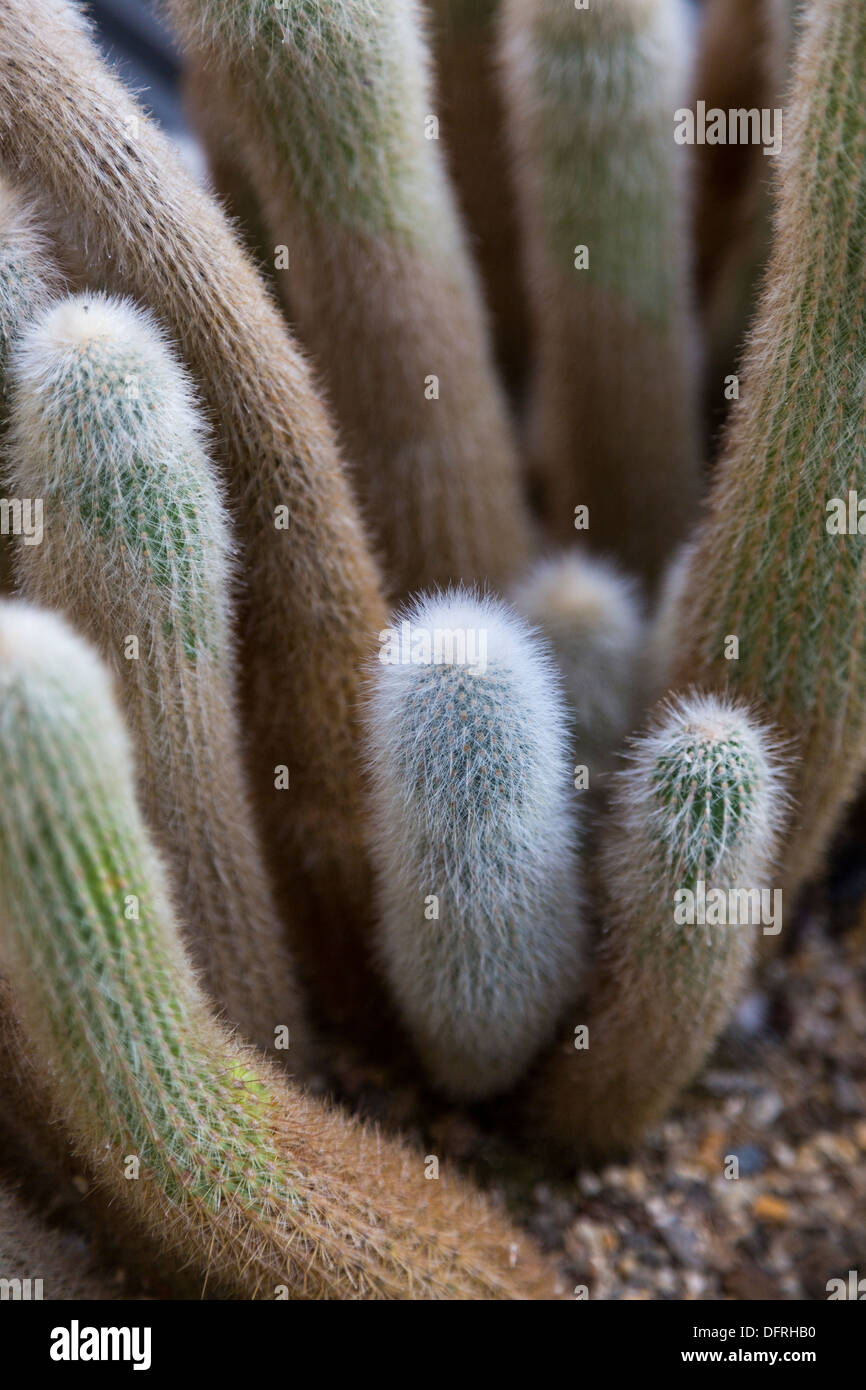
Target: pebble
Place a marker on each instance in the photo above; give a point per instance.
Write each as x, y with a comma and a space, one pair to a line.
765, 1109
766, 1207
684, 1243
751, 1159
729, 1083
837, 1147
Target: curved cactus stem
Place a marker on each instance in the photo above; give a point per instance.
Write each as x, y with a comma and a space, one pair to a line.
135, 552
251, 1189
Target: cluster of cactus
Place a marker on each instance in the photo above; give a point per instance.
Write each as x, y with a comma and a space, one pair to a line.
252, 812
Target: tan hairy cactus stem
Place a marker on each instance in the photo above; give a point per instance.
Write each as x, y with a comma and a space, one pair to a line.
332, 104
772, 599
37, 1262
313, 602
601, 183
463, 35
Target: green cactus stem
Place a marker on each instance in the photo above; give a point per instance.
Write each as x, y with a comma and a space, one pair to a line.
695, 820
136, 554
772, 602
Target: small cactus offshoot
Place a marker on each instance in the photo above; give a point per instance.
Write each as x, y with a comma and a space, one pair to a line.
691, 840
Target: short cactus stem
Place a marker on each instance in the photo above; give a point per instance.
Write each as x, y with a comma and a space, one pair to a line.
592, 617
248, 1188
480, 927
686, 864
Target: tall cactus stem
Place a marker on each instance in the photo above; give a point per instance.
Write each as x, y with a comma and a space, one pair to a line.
334, 109
601, 184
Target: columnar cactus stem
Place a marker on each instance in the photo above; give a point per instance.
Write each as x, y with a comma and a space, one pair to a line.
28, 277
742, 63
332, 102
480, 933
312, 590
135, 553
696, 818
613, 425
214, 129
592, 617
773, 601
472, 110
250, 1189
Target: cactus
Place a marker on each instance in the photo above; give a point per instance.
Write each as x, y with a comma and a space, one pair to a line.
488, 927
742, 63
276, 1190
613, 424
312, 596
591, 615
31, 1252
225, 164
472, 119
772, 603
702, 804
28, 277
330, 101
479, 922
135, 553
